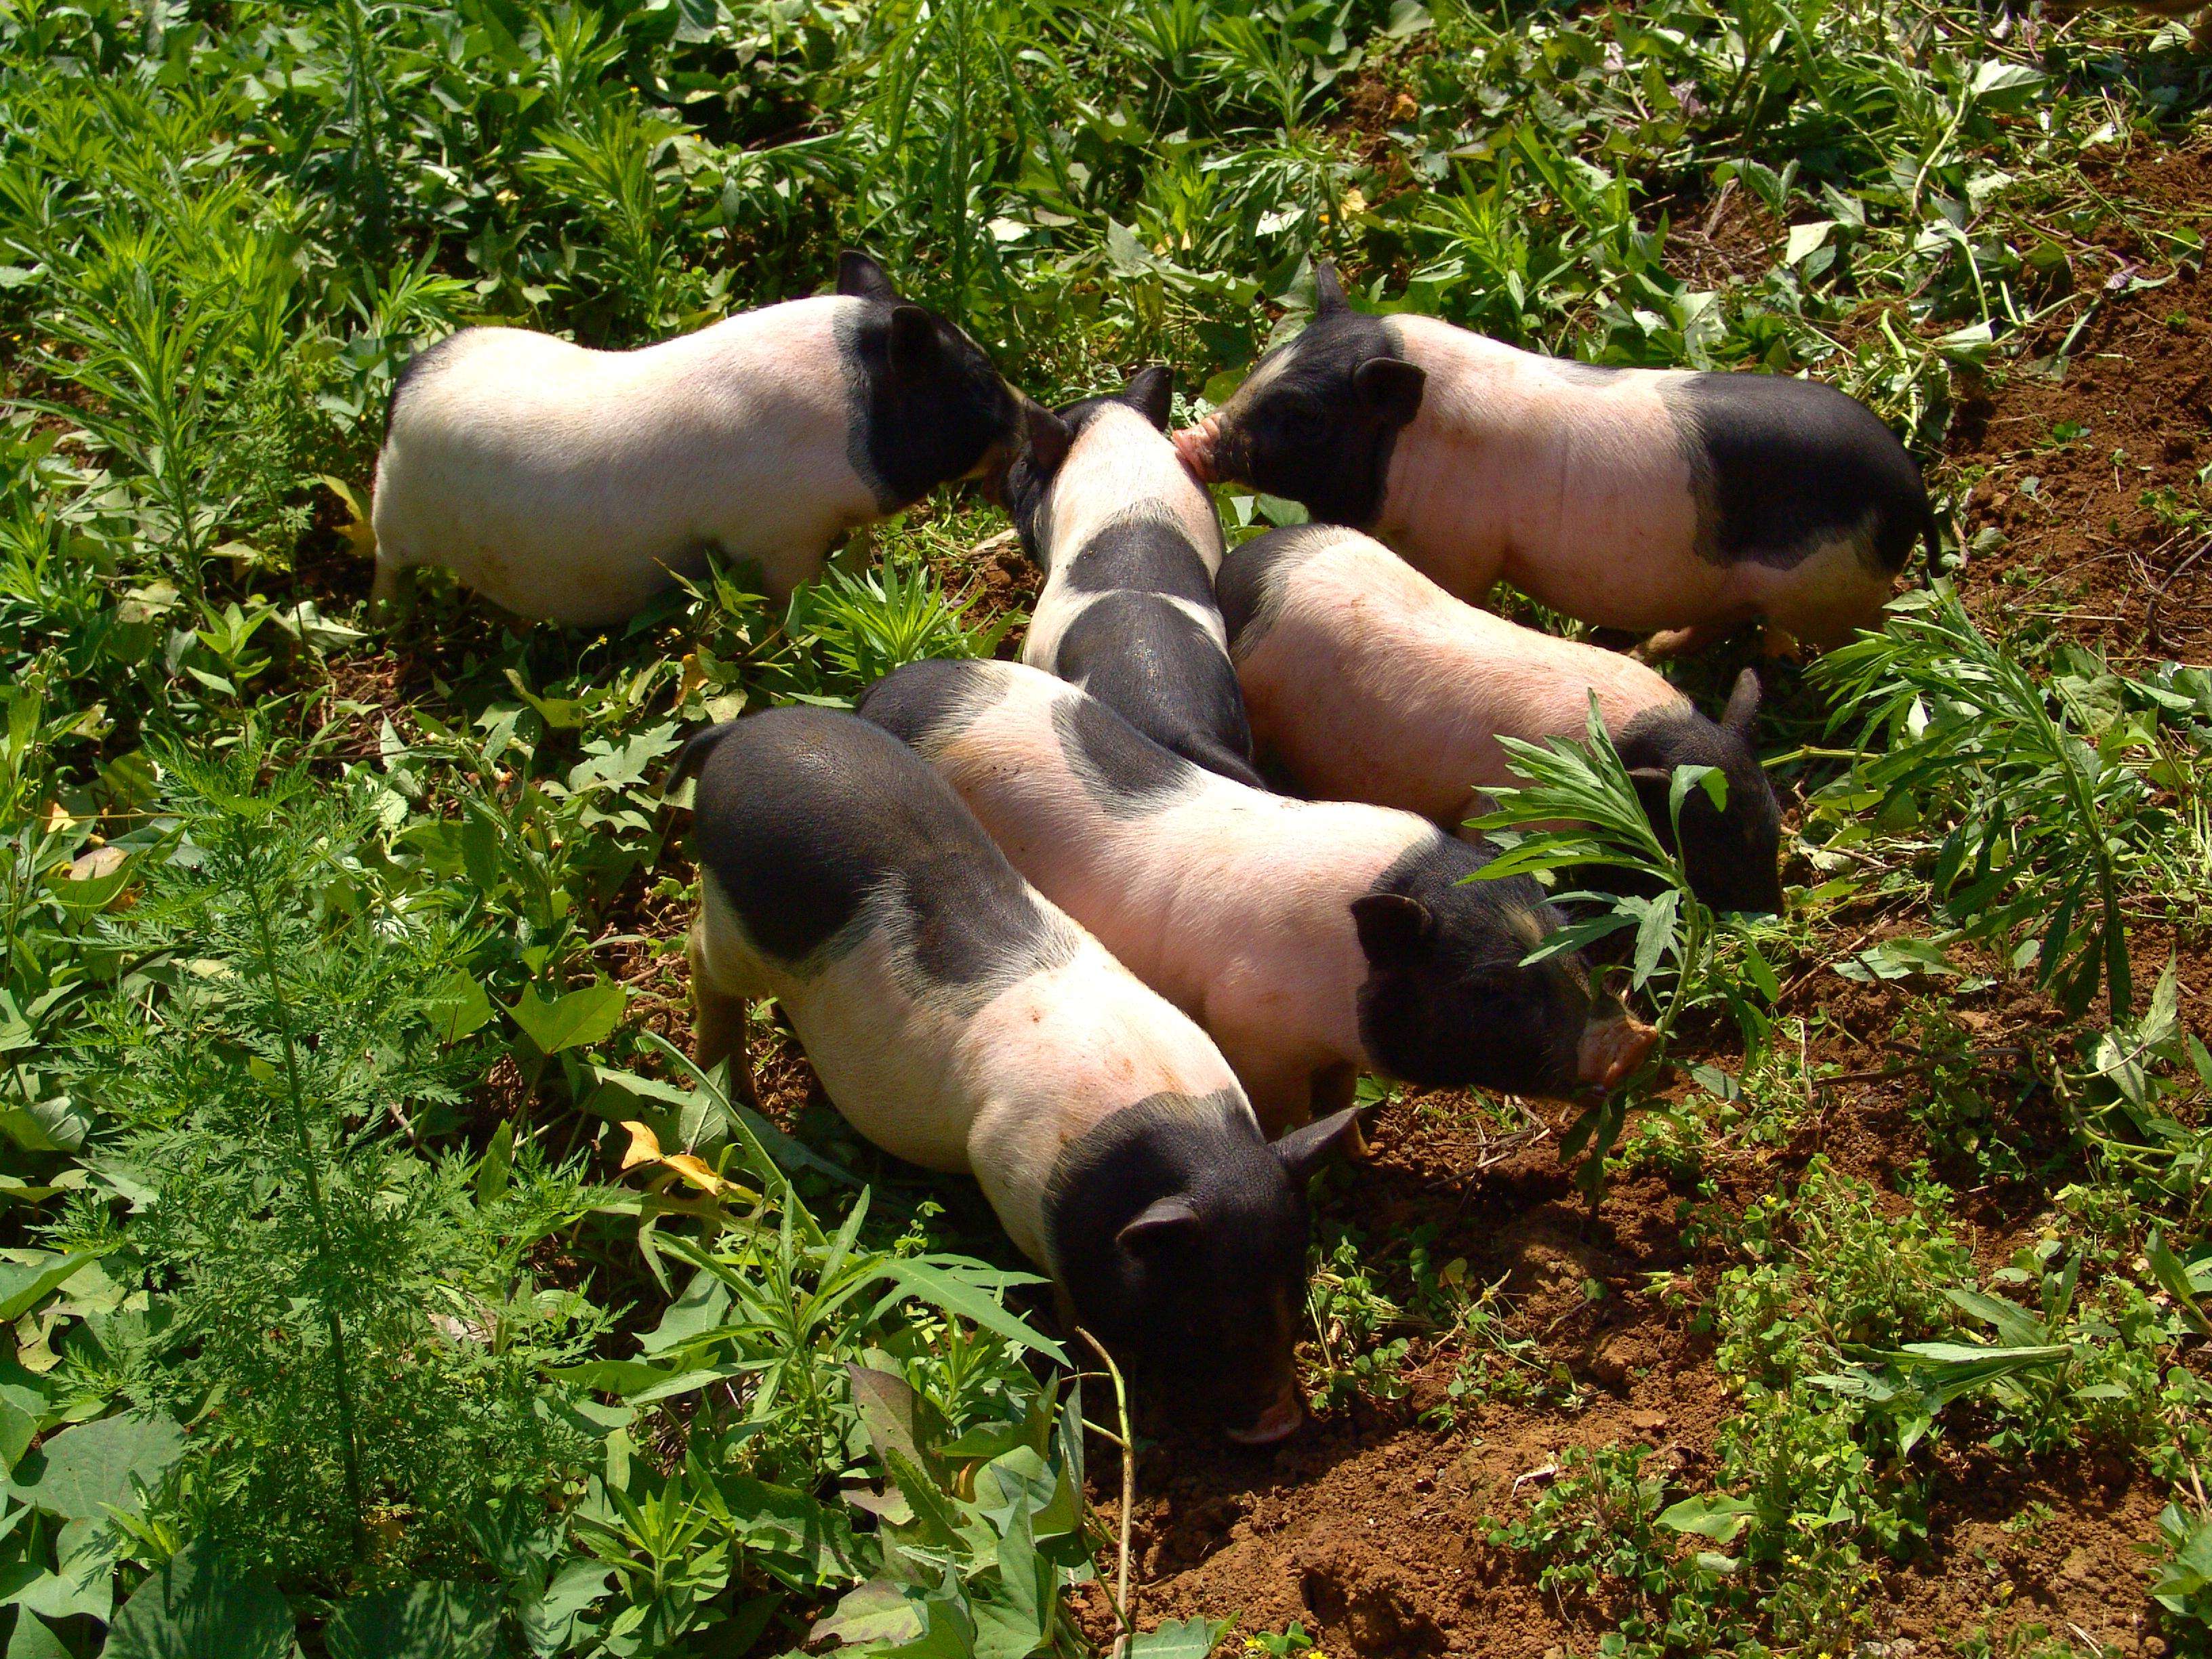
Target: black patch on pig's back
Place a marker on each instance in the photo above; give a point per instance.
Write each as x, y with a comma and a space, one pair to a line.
1254, 576
1781, 465
925, 704
807, 817
1138, 551
1123, 771
1149, 661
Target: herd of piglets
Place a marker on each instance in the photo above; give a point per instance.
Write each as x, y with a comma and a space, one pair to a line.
1047, 922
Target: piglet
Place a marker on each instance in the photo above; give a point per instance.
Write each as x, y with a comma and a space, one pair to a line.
571, 485
1314, 940
961, 1022
1129, 544
1642, 499
1368, 681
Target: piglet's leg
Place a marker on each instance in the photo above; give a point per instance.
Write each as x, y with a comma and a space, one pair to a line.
718, 1023
1681, 642
384, 591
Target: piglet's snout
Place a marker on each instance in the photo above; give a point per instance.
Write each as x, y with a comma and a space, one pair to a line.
1611, 1049
1197, 444
1280, 1420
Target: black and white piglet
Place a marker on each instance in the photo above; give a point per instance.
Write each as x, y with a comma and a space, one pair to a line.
1313, 939
572, 485
1129, 545
959, 1020
1642, 498
1368, 681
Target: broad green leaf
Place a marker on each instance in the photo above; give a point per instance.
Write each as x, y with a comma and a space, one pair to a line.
1995, 76
23, 1285
1180, 1639
1805, 239
496, 1165
459, 1007
418, 1621
1716, 1517
81, 1473
879, 1612
1011, 1623
196, 1606
33, 1639
572, 1020
2172, 1277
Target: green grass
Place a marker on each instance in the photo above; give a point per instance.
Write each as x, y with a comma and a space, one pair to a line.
336, 962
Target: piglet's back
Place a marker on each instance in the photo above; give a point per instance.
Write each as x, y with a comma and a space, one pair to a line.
1370, 682
803, 817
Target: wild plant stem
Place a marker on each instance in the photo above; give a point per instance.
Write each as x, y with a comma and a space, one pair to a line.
341, 1373
1121, 1608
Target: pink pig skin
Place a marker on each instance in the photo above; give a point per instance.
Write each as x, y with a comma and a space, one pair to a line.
1370, 683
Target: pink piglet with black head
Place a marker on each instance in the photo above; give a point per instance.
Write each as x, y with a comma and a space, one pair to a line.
959, 1019
1678, 504
1366, 681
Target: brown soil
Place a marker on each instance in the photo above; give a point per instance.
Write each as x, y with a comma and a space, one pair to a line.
2089, 467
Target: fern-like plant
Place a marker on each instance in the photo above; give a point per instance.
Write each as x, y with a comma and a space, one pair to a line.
2039, 825
344, 1318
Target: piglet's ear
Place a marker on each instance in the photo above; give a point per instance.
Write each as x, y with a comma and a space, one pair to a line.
1742, 705
912, 341
1162, 1224
860, 277
1652, 784
1391, 386
1393, 929
1304, 1151
1049, 440
1150, 392
1328, 291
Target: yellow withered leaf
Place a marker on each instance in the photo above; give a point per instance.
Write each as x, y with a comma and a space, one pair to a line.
645, 1148
359, 535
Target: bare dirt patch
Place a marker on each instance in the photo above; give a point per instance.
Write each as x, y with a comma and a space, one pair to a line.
2091, 467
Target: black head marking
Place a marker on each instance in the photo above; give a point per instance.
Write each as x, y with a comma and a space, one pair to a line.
1446, 1001
1151, 663
810, 822
1180, 1237
1782, 466
1125, 772
1319, 416
1255, 575
1732, 856
928, 406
